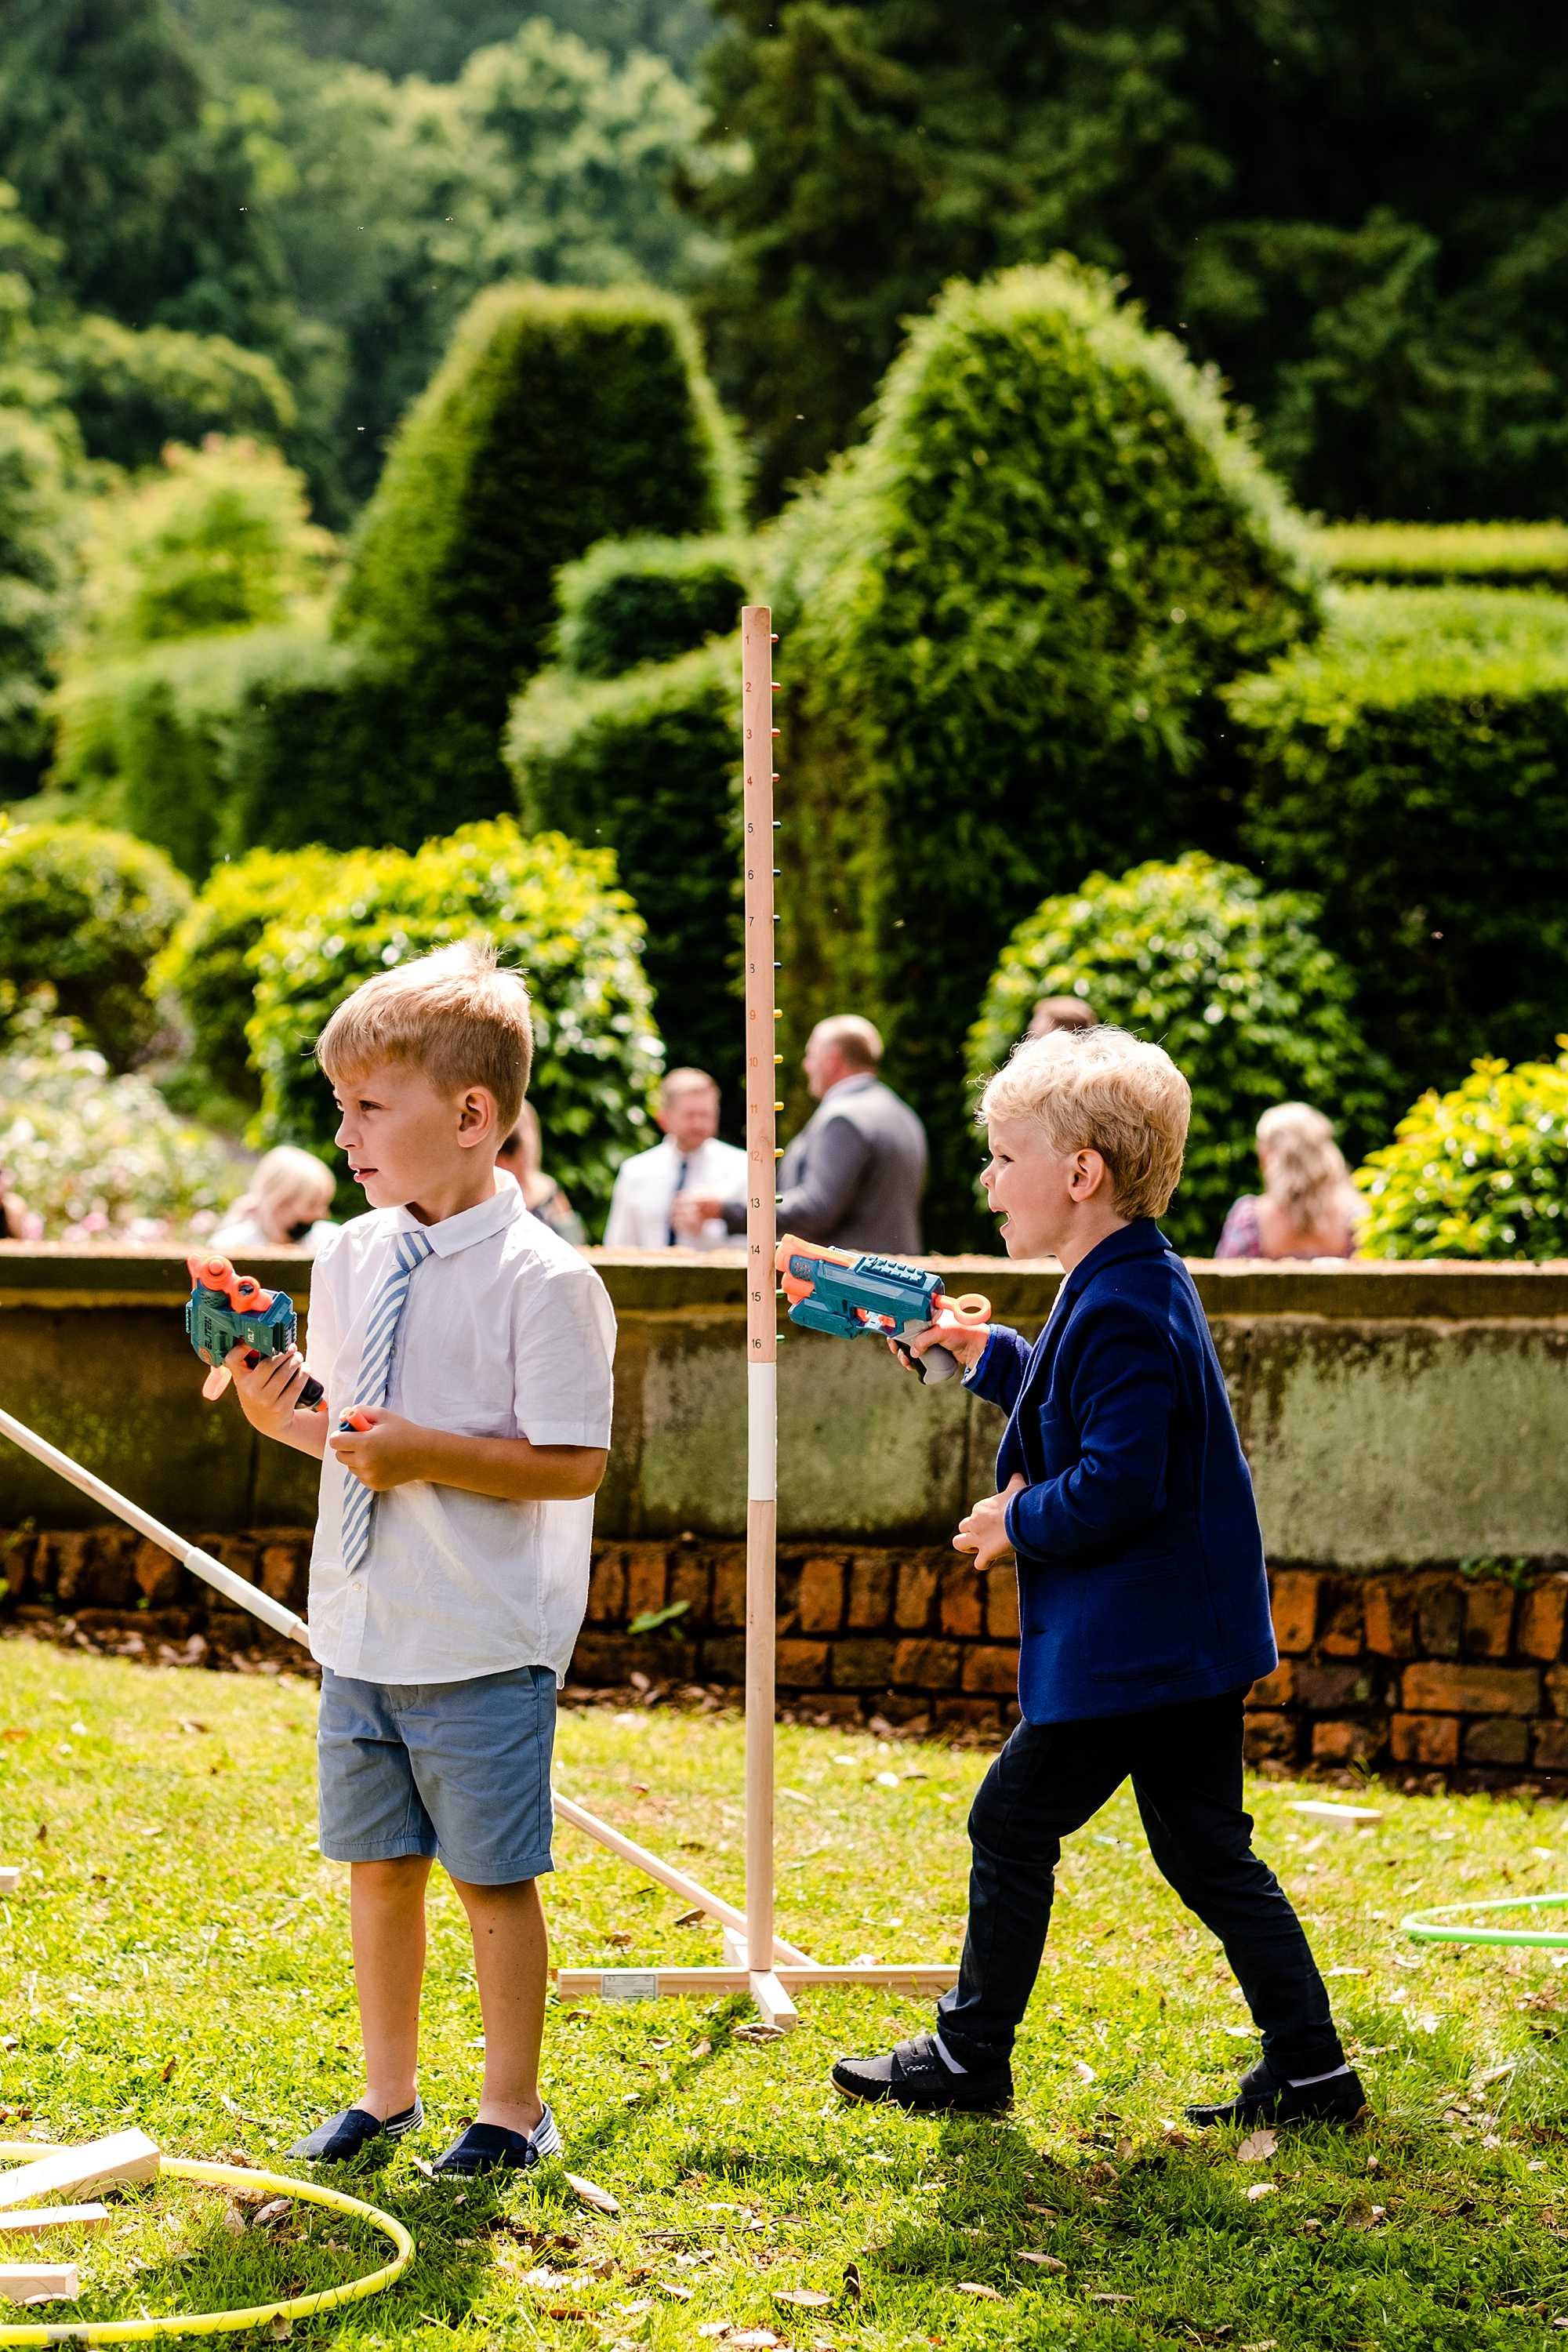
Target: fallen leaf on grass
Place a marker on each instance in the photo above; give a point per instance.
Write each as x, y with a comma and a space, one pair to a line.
715, 2329
804, 2298
758, 2031
974, 2287
852, 2278
276, 2209
1111, 2298
621, 1938
1084, 2072
592, 2194
758, 2340
281, 2326
704, 2049
693, 1919
634, 2310
1264, 2343
1043, 2261
1257, 2145
1496, 2073
680, 2293
234, 2220
1261, 2188
545, 2280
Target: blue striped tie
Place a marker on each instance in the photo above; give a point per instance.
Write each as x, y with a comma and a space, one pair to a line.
370, 1388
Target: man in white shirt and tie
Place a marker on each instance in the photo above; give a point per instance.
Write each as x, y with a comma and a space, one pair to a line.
690, 1158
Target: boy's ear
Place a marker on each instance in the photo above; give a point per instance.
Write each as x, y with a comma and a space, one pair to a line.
476, 1121
1090, 1175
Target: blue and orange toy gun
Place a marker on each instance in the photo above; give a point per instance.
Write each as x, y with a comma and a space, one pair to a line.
228, 1311
852, 1293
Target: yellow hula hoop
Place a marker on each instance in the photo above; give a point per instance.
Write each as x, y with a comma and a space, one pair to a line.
218, 2322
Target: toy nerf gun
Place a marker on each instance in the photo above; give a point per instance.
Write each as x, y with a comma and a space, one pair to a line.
228, 1311
849, 1294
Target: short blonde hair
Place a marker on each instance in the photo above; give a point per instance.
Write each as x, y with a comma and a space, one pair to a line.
285, 1178
456, 1016
1103, 1090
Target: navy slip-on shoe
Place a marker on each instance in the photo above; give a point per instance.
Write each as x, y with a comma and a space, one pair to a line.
916, 2075
353, 2129
490, 2147
1265, 2098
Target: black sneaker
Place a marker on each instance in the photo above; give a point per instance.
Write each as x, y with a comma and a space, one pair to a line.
353, 2129
916, 2076
1266, 2097
491, 2148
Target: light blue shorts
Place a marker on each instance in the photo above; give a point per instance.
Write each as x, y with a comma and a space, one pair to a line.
457, 1771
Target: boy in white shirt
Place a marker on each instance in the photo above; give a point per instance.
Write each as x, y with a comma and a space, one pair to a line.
450, 1575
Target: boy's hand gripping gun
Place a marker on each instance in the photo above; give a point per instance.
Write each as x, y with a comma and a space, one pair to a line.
228, 1311
851, 1294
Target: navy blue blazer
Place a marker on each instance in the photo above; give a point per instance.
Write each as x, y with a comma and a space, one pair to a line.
1141, 1576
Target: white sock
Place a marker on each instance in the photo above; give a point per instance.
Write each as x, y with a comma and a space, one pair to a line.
1305, 2081
945, 2054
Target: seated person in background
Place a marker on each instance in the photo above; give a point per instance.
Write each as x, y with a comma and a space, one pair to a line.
18, 1221
1054, 1013
522, 1155
1308, 1207
653, 1190
287, 1200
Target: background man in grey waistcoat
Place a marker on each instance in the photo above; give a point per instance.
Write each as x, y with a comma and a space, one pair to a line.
854, 1175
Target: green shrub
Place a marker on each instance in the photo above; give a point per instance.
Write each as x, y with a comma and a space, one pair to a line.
648, 765
84, 912
33, 584
1477, 554
554, 908
632, 601
558, 418
100, 1157
209, 966
132, 392
1410, 769
1229, 978
1481, 1172
1003, 621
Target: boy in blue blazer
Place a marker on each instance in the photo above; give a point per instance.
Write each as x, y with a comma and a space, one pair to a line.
1144, 1604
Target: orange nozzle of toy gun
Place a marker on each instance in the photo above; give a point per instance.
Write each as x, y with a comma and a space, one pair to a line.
244, 1293
795, 1288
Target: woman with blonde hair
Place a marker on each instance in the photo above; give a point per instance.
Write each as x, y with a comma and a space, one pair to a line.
287, 1200
1308, 1207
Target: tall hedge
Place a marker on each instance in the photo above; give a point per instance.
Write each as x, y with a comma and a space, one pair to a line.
1004, 621
1430, 555
648, 765
554, 908
83, 913
1230, 978
632, 601
1410, 769
558, 418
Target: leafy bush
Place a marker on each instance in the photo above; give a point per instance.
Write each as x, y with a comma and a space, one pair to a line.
632, 601
558, 418
132, 392
84, 912
553, 909
648, 765
1229, 978
33, 506
1410, 768
1481, 1172
98, 1156
1477, 554
208, 965
1003, 621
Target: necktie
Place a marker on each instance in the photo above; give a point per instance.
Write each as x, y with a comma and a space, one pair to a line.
370, 1388
682, 1173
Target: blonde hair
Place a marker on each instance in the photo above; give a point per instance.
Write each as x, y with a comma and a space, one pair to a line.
283, 1178
455, 1015
675, 1082
1305, 1174
1103, 1090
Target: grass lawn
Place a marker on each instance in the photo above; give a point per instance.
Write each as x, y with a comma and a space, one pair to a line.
176, 1958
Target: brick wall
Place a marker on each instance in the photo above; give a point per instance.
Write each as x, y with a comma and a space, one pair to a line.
1431, 1671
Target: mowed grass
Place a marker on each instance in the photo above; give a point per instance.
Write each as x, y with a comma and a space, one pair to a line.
176, 1957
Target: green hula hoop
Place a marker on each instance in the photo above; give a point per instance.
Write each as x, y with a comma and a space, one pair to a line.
218, 2322
1432, 1927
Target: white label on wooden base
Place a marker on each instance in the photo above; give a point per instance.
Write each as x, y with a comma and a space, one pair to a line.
628, 1984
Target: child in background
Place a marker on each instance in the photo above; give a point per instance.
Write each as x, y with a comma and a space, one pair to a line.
449, 1574
286, 1202
1141, 1593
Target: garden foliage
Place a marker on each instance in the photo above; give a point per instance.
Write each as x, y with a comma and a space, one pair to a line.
649, 765
1230, 978
1409, 768
1430, 555
632, 601
1480, 1172
83, 913
554, 911
34, 569
1003, 622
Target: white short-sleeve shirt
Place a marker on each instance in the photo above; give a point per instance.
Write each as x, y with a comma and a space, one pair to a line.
647, 1184
508, 1333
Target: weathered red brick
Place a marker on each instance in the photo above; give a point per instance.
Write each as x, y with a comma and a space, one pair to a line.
1294, 1598
990, 1667
1488, 1619
968, 1713
819, 1597
729, 1603
607, 1588
862, 1663
962, 1603
1330, 1687
1347, 1740
1002, 1605
1269, 1735
1502, 1741
1340, 1618
647, 1566
1550, 1747
801, 1665
691, 1580
1388, 1614
158, 1577
870, 1592
1275, 1689
922, 1665
603, 1660
1425, 1738
723, 1660
915, 1596
1541, 1618
1440, 1612
284, 1571
1434, 1686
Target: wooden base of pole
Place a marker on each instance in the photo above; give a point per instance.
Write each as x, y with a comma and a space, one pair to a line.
917, 1977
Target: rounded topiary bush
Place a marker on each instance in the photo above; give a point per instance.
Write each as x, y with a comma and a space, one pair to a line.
632, 601
1481, 1172
553, 910
1229, 978
1003, 620
209, 967
84, 912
